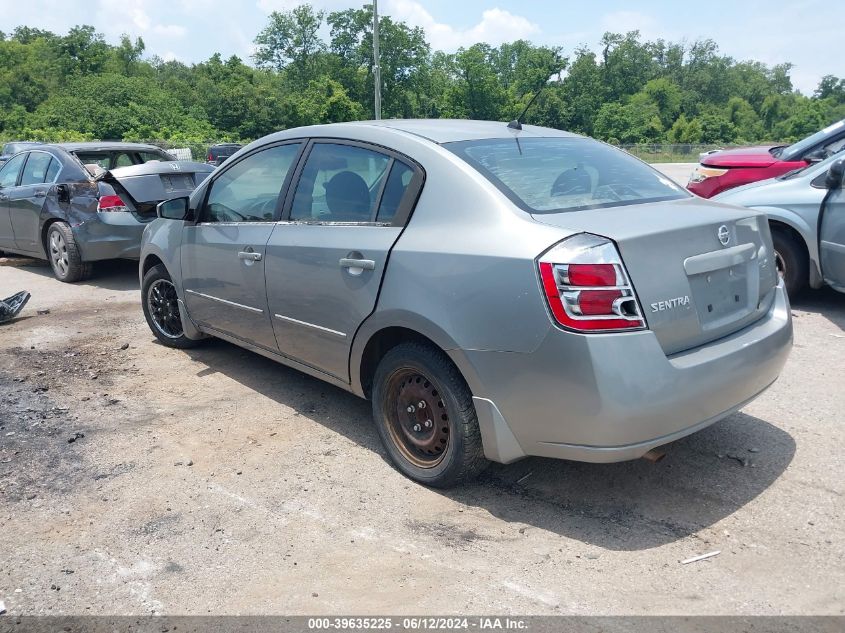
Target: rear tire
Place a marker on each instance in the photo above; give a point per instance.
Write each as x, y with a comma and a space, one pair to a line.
792, 262
425, 417
64, 256
161, 309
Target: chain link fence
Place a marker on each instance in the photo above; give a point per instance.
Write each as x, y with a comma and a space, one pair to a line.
671, 153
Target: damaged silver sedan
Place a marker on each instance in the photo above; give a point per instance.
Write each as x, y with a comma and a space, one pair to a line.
77, 203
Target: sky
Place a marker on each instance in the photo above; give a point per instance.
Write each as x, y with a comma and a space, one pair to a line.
770, 31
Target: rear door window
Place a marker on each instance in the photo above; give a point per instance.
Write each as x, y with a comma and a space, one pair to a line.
53, 170
35, 170
394, 191
340, 183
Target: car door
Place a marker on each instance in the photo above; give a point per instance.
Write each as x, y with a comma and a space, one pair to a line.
223, 253
9, 175
325, 260
832, 239
28, 199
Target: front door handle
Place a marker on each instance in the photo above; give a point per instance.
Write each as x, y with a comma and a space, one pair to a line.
365, 264
250, 256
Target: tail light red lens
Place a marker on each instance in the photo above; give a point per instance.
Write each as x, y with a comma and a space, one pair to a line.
111, 203
592, 274
587, 287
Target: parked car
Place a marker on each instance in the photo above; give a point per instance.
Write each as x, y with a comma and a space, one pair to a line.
10, 149
806, 210
495, 293
76, 203
218, 154
725, 169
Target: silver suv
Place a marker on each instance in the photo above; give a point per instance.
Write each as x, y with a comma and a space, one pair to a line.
495, 292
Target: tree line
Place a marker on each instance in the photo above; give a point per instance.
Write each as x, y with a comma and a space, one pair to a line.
77, 86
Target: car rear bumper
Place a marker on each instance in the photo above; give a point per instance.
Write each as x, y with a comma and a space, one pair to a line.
605, 398
113, 235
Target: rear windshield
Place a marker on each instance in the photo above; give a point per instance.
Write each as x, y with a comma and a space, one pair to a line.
110, 159
550, 175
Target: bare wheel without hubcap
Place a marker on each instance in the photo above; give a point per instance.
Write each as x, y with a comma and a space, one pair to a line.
417, 419
58, 253
163, 305
780, 264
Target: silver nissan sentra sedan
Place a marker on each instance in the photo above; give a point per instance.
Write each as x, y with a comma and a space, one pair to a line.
495, 292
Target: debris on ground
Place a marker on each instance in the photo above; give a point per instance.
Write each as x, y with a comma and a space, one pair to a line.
523, 478
701, 557
43, 311
2, 608
738, 458
10, 307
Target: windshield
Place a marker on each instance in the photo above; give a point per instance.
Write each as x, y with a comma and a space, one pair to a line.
797, 150
549, 175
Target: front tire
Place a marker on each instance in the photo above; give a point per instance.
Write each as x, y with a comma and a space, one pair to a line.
63, 253
792, 262
161, 309
425, 417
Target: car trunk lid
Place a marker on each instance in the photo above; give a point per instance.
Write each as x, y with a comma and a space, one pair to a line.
700, 270
153, 182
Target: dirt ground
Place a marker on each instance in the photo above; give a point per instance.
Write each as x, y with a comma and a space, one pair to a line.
213, 481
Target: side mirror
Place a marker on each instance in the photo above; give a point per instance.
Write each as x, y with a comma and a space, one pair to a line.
63, 193
175, 209
815, 156
833, 180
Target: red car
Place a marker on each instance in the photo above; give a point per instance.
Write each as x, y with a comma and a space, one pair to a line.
731, 168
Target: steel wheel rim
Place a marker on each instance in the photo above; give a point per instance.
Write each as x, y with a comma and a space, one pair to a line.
780, 265
58, 253
417, 419
163, 306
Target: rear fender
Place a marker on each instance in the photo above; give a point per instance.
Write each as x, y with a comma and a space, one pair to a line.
80, 209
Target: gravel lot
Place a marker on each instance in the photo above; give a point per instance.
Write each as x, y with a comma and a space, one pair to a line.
214, 481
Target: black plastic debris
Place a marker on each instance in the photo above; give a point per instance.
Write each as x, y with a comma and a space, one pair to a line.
10, 307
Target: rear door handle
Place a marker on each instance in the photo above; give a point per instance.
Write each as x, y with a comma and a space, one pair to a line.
366, 264
39, 194
249, 256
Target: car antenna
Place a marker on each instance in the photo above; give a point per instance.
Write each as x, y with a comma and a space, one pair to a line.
516, 124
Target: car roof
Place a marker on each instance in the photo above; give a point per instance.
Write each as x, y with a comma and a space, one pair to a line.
451, 130
105, 146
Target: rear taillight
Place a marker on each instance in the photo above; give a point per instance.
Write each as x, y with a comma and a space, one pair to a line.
210, 157
111, 203
587, 287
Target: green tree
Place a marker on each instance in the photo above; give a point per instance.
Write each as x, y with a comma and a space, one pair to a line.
291, 41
